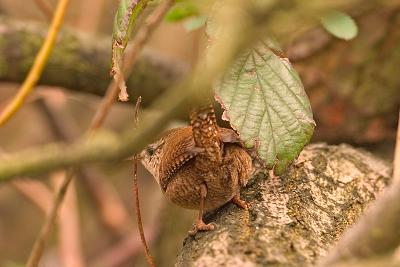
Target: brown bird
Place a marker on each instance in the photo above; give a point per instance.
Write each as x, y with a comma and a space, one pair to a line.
202, 166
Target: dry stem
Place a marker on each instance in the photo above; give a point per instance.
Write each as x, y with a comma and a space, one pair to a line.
44, 234
396, 162
149, 258
45, 8
130, 59
111, 209
36, 192
103, 110
70, 245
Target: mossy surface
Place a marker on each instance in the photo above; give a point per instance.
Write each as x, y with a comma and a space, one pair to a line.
80, 63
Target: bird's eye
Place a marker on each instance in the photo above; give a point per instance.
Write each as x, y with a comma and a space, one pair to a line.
150, 150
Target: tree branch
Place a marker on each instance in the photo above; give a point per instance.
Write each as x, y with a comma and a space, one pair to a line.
292, 219
108, 204
46, 9
37, 192
70, 234
376, 234
107, 146
79, 62
45, 231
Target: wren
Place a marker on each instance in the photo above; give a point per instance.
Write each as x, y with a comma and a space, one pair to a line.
201, 166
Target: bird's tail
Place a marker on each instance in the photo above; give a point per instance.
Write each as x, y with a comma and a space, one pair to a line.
206, 133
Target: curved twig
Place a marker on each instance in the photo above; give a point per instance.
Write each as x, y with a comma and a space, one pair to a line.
103, 111
131, 58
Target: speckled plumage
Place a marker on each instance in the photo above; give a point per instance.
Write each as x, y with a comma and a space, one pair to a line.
222, 182
201, 166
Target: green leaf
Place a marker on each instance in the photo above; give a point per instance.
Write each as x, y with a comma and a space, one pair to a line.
180, 11
125, 18
195, 23
340, 25
265, 101
127, 13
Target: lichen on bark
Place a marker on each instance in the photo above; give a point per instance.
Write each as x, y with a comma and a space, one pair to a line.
293, 219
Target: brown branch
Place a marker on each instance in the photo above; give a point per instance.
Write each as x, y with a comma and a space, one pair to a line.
36, 192
40, 242
383, 261
149, 258
172, 103
70, 243
110, 207
46, 9
294, 219
130, 60
376, 233
103, 110
396, 161
142, 37
41, 196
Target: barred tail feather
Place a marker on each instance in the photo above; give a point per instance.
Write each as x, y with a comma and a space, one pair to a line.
206, 133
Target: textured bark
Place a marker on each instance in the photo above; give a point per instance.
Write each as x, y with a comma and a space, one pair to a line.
80, 62
293, 219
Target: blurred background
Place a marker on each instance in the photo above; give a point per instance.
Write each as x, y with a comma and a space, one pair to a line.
353, 86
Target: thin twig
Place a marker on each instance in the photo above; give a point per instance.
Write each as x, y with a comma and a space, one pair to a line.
106, 103
153, 20
38, 65
45, 8
172, 103
136, 111
40, 195
110, 207
130, 59
112, 212
70, 243
149, 258
103, 111
36, 192
40, 242
396, 161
